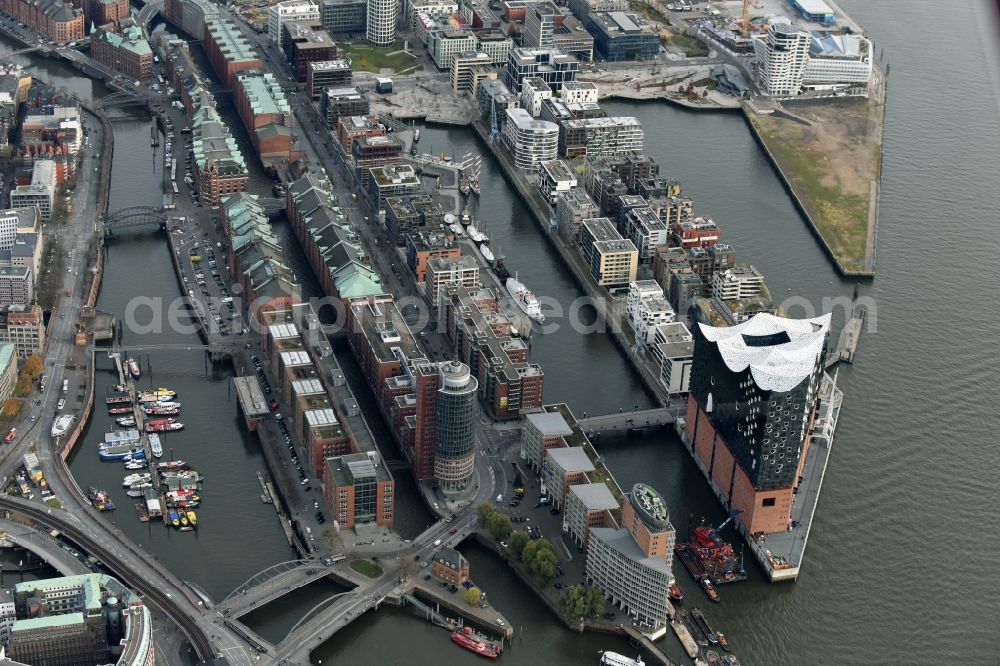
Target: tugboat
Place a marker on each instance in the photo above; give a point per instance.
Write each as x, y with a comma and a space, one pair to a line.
472, 642
710, 590
133, 368
723, 641
675, 592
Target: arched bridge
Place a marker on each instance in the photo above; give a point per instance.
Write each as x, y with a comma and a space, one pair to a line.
121, 98
135, 216
270, 584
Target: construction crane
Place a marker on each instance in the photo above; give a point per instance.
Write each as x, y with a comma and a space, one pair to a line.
746, 18
715, 533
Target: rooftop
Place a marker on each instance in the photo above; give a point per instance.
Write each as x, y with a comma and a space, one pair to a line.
594, 496
621, 540
550, 424
571, 458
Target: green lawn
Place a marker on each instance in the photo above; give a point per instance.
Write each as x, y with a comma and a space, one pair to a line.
54, 503
366, 568
366, 58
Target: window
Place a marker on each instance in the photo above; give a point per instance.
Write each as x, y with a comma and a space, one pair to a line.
768, 501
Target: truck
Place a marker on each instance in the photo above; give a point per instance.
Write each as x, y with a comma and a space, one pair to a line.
65, 386
11, 434
177, 105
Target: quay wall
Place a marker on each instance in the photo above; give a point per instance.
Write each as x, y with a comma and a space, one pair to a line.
88, 407
786, 183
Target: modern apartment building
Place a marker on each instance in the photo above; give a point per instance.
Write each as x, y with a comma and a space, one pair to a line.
737, 283
673, 350
572, 208
343, 102
323, 74
782, 55
442, 45
646, 308
643, 227
496, 44
530, 141
468, 69
393, 180
443, 271
304, 42
754, 395
609, 136
40, 193
838, 62
613, 260
555, 178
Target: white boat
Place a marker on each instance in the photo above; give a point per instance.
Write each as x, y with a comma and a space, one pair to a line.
484, 249
525, 299
456, 229
133, 479
155, 446
476, 235
134, 464
138, 489
615, 659
416, 135
61, 425
126, 421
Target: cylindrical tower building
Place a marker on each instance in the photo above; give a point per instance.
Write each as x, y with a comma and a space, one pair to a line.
382, 21
455, 455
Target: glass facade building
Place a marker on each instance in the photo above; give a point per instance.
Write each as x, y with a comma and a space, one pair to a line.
455, 418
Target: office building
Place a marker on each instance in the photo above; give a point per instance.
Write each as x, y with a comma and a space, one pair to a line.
8, 370
352, 128
754, 395
549, 64
468, 69
613, 260
347, 101
647, 308
228, 50
290, 10
632, 565
530, 141
322, 74
534, 92
481, 338
24, 327
562, 467
381, 22
555, 178
450, 566
623, 36
393, 180
359, 490
403, 216
700, 231
588, 505
414, 8
584, 8
608, 136
673, 351
838, 62
455, 416
781, 56
122, 47
494, 98
443, 271
424, 244
670, 209
81, 620
645, 229
219, 168
343, 16
545, 25
40, 193
442, 45
304, 42
7, 616
496, 45
542, 431
375, 151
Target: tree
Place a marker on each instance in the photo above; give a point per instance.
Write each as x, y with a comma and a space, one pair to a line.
517, 542
473, 596
543, 566
23, 385
484, 511
33, 366
595, 601
499, 524
528, 552
10, 408
569, 603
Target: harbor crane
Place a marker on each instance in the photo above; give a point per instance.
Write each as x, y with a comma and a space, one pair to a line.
732, 516
745, 22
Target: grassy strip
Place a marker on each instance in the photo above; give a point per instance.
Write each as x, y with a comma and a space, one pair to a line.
372, 59
366, 568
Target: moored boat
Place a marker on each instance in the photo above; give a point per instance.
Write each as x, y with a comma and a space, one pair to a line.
172, 464
118, 398
100, 499
157, 410
138, 489
126, 421
614, 659
174, 518
133, 368
113, 411
134, 464
484, 249
472, 642
192, 519
723, 641
705, 627
164, 425
133, 479
155, 446
525, 299
675, 592
61, 425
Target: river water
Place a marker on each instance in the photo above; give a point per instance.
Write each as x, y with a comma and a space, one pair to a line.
902, 557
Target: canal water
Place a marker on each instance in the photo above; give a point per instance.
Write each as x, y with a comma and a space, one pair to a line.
902, 556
